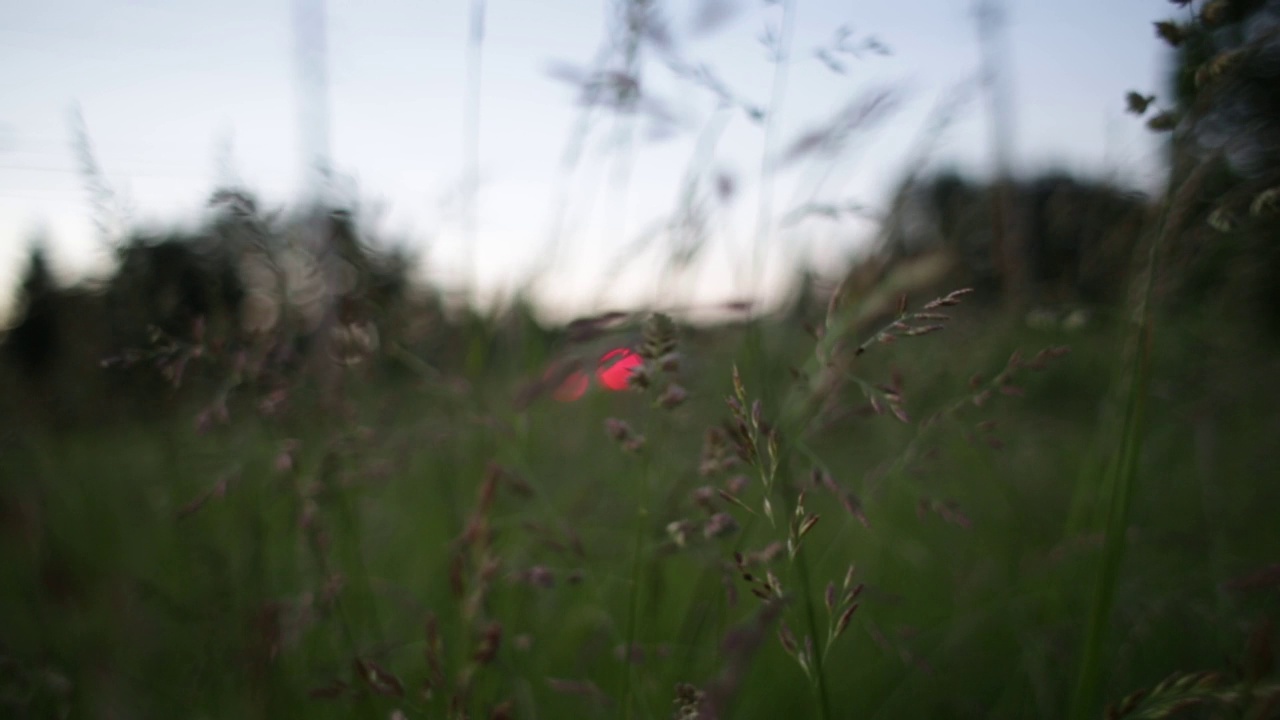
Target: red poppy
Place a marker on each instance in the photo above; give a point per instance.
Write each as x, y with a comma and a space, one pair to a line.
616, 367
613, 370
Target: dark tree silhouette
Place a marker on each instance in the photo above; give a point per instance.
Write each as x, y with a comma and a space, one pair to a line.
169, 283
33, 341
1225, 110
1077, 236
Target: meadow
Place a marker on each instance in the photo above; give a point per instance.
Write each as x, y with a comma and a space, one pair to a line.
880, 500
434, 549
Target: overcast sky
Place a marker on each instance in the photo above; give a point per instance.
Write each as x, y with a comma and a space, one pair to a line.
177, 94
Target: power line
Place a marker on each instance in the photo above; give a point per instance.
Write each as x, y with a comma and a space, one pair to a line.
160, 174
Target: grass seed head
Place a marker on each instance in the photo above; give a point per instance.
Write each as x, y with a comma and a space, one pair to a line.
659, 337
845, 617
673, 397
719, 525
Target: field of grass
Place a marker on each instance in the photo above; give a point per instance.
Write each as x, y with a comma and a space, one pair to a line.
984, 520
423, 546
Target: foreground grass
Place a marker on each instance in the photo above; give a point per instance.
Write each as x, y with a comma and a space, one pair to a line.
151, 571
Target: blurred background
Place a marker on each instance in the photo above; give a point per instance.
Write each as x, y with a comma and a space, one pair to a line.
492, 149
285, 285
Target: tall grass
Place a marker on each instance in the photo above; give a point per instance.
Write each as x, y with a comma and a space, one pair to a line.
453, 543
969, 588
1120, 481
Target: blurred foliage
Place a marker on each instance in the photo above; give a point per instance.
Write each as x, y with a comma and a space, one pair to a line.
180, 310
1076, 236
1225, 110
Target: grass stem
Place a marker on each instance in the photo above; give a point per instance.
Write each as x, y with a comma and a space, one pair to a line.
1122, 475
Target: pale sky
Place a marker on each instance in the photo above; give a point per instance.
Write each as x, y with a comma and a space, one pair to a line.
172, 89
